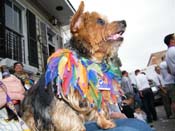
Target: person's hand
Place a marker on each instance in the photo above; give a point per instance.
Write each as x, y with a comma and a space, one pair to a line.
14, 89
163, 90
117, 115
141, 94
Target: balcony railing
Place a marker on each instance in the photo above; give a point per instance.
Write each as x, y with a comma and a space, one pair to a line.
14, 45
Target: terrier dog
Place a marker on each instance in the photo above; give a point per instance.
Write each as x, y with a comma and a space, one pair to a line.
78, 83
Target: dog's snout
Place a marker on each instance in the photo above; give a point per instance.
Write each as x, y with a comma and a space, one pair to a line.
123, 23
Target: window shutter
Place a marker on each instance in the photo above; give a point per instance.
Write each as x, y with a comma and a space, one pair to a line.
2, 28
32, 39
44, 44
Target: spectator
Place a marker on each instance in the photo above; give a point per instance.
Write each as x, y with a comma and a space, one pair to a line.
23, 76
139, 113
131, 94
146, 95
127, 106
5, 74
169, 82
14, 89
159, 79
163, 91
126, 83
170, 54
136, 95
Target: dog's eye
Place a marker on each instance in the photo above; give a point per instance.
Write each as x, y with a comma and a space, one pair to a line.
100, 21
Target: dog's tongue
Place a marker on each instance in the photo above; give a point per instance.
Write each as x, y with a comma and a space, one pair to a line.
114, 37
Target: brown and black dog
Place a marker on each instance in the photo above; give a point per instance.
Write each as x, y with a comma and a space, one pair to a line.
93, 38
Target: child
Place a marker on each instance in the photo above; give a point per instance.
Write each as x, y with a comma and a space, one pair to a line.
140, 114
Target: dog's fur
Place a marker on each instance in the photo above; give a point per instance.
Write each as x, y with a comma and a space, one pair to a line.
94, 38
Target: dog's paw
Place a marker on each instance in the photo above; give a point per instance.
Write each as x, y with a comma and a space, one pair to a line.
103, 123
107, 124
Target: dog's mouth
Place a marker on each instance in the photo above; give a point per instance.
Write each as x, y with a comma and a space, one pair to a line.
116, 37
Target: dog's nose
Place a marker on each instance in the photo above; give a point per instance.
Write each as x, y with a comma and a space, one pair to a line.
123, 23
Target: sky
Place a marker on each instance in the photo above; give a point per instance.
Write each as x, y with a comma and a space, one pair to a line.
148, 21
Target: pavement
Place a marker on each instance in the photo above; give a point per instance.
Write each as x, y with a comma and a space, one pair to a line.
163, 124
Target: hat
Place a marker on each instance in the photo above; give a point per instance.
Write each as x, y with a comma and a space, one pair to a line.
168, 38
5, 74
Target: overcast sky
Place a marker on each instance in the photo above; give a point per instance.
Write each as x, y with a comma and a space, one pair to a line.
148, 21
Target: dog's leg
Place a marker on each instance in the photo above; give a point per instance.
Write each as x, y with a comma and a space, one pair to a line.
29, 119
65, 118
102, 118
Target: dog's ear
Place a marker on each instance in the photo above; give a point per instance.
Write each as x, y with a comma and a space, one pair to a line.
76, 19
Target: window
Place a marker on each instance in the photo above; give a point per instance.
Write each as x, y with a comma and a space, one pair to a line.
51, 37
13, 44
44, 43
2, 29
32, 40
51, 49
13, 18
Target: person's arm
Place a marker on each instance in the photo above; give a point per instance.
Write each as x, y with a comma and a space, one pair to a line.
14, 89
170, 59
115, 112
3, 99
117, 115
138, 87
161, 85
124, 85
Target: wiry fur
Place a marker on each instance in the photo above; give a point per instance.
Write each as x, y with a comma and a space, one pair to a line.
90, 37
44, 110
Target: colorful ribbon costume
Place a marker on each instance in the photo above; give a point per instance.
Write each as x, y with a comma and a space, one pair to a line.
94, 81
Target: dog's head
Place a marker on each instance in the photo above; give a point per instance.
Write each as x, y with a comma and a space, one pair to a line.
95, 36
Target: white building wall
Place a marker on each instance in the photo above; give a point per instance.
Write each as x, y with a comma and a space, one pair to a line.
44, 18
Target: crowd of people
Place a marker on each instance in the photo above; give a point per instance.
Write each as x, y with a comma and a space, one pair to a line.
164, 81
142, 105
138, 99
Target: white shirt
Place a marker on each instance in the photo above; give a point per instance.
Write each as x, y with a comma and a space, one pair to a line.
140, 116
167, 77
159, 80
142, 82
170, 59
155, 79
11, 125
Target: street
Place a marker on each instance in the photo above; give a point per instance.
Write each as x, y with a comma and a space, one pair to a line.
163, 124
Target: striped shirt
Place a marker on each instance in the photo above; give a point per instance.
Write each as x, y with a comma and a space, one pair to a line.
12, 125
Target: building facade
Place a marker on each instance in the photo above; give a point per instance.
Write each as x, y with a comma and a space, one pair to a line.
156, 58
30, 30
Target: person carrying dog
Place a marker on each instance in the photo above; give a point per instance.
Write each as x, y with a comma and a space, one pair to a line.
169, 40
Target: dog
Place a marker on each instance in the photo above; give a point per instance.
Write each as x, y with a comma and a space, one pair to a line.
78, 82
